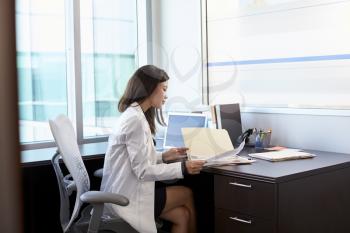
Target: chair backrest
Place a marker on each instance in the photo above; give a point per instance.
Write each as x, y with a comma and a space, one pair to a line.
64, 135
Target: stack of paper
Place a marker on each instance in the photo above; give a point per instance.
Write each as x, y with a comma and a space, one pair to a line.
228, 161
281, 155
212, 145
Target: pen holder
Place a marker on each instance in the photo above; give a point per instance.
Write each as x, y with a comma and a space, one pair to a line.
262, 139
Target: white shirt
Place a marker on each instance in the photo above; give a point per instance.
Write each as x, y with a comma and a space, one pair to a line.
131, 167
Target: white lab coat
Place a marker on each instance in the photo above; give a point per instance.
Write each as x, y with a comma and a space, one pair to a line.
131, 167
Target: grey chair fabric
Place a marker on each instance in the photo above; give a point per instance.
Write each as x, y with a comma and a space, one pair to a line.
78, 181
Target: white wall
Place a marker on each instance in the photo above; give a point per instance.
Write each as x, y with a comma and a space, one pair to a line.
243, 30
326, 133
176, 42
176, 27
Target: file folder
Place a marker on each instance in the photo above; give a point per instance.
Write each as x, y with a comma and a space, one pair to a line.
212, 145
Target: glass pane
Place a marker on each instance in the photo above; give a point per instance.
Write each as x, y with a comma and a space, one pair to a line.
108, 45
41, 59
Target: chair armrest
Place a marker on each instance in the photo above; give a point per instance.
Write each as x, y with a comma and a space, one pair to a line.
99, 173
98, 197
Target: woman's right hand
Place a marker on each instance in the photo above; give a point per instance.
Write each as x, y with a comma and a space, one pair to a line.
194, 166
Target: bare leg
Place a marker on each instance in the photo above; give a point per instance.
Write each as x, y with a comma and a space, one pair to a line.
180, 196
179, 216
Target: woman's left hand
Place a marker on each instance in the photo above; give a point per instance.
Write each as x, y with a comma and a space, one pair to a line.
174, 153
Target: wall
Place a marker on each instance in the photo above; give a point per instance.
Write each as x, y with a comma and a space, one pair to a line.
294, 125
10, 194
287, 62
326, 133
176, 41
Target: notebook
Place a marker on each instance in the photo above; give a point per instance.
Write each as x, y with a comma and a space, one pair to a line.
282, 155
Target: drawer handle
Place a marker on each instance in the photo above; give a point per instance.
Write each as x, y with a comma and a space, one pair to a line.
241, 220
241, 185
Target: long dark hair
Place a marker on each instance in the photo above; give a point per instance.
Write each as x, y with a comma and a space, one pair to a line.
140, 86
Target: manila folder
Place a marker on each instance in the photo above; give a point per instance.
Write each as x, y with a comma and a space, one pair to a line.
206, 143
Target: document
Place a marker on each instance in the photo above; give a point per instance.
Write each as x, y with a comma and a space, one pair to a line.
230, 160
212, 145
282, 155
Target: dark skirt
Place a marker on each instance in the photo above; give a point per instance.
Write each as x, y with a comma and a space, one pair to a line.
159, 198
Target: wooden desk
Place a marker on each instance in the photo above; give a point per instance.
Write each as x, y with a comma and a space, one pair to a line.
299, 196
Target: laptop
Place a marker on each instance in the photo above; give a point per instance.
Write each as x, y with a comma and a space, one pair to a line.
228, 116
176, 121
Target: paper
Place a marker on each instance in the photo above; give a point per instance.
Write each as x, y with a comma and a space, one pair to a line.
286, 154
228, 161
205, 143
211, 145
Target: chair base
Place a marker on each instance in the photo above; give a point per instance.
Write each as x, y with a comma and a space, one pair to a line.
110, 225
117, 225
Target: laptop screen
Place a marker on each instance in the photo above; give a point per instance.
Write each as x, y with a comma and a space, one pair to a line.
176, 121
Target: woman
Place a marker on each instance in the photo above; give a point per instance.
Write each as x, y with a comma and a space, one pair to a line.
132, 165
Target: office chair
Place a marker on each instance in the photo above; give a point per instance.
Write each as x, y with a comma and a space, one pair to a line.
159, 222
90, 220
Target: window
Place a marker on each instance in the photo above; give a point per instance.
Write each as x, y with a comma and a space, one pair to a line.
108, 46
42, 59
60, 67
280, 54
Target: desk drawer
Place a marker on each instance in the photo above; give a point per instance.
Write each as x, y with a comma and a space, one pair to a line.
245, 196
229, 221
